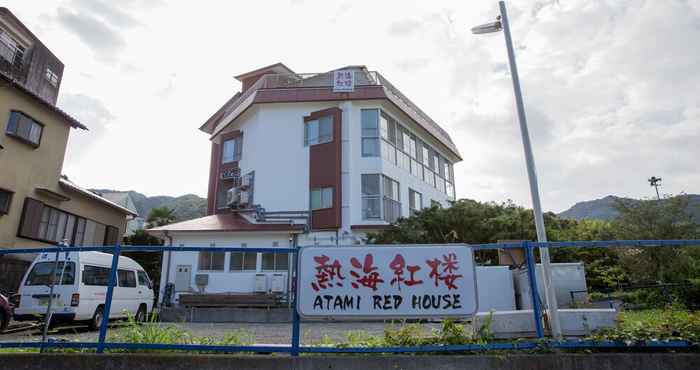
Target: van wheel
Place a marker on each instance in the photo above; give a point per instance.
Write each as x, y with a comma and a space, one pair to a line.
140, 314
96, 321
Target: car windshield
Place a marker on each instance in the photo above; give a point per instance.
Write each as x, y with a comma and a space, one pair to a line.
41, 273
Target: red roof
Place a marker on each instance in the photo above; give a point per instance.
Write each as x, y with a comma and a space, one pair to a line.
225, 222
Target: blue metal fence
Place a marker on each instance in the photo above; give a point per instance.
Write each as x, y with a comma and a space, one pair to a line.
294, 348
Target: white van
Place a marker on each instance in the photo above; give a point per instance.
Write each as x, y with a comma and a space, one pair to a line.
81, 287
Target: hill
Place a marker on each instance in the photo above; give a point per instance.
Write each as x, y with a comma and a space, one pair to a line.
186, 207
602, 209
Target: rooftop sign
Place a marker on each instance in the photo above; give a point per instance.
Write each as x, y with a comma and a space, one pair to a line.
387, 281
343, 81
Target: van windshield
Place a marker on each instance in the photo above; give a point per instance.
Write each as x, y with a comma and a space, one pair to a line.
41, 273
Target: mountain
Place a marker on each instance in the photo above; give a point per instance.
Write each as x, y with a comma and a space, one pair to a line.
186, 207
602, 209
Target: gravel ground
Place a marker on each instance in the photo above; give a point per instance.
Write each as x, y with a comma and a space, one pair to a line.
263, 333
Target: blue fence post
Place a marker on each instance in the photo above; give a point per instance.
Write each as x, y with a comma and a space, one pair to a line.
295, 314
532, 277
108, 299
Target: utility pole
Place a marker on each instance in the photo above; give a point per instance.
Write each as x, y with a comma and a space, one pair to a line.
655, 182
502, 24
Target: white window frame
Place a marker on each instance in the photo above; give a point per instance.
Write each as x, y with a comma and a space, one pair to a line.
325, 198
313, 129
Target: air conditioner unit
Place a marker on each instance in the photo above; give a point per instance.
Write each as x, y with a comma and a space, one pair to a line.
278, 283
243, 197
233, 196
246, 181
260, 283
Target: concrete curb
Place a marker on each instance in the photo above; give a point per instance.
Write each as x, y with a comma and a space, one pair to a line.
600, 361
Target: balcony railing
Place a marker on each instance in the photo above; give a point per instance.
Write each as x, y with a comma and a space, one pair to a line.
11, 60
325, 80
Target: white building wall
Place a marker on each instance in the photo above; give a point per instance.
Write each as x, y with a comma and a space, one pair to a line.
273, 147
225, 281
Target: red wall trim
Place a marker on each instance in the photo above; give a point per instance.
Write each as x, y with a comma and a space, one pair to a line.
215, 168
325, 171
213, 176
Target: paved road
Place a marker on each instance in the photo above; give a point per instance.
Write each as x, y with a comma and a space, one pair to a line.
263, 333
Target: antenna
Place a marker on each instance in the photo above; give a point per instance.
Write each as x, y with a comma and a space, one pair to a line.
655, 182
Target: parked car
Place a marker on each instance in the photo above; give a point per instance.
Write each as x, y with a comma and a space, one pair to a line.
5, 312
81, 280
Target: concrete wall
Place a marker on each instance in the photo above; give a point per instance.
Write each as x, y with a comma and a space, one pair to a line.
600, 361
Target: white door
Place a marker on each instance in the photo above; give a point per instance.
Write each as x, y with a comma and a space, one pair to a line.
183, 278
125, 295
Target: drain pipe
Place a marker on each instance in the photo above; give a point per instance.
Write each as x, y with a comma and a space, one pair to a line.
167, 269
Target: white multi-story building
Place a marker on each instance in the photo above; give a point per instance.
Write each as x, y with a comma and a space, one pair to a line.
307, 159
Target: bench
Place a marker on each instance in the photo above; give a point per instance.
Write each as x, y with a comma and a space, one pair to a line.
231, 300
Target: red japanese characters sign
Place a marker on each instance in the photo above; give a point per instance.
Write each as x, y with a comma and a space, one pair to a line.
395, 281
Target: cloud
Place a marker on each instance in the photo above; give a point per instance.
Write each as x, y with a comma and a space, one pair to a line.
101, 24
611, 98
92, 113
404, 27
109, 12
101, 38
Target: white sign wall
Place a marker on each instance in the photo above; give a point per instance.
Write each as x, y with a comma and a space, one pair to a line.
388, 281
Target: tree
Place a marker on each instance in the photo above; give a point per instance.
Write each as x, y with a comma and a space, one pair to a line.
150, 261
667, 218
160, 216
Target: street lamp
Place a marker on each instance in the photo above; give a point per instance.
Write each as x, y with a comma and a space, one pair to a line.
502, 24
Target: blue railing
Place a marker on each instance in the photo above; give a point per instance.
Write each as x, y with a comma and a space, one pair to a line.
294, 348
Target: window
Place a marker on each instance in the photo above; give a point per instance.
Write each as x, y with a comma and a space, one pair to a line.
243, 261
403, 161
391, 200
5, 201
127, 279
429, 176
371, 197
56, 226
144, 280
51, 76
426, 155
415, 201
41, 273
416, 169
408, 143
388, 152
370, 132
435, 165
231, 150
275, 261
10, 50
95, 276
211, 261
380, 198
24, 128
450, 190
321, 198
440, 184
318, 131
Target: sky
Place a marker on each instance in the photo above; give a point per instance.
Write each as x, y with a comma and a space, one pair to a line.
611, 88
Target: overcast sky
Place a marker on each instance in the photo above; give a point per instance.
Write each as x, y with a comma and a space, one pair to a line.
612, 88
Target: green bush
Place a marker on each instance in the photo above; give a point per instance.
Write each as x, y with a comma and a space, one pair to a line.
635, 326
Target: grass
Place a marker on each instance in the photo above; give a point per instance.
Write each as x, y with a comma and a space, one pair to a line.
633, 327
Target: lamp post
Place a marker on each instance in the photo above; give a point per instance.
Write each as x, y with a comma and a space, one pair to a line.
502, 24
